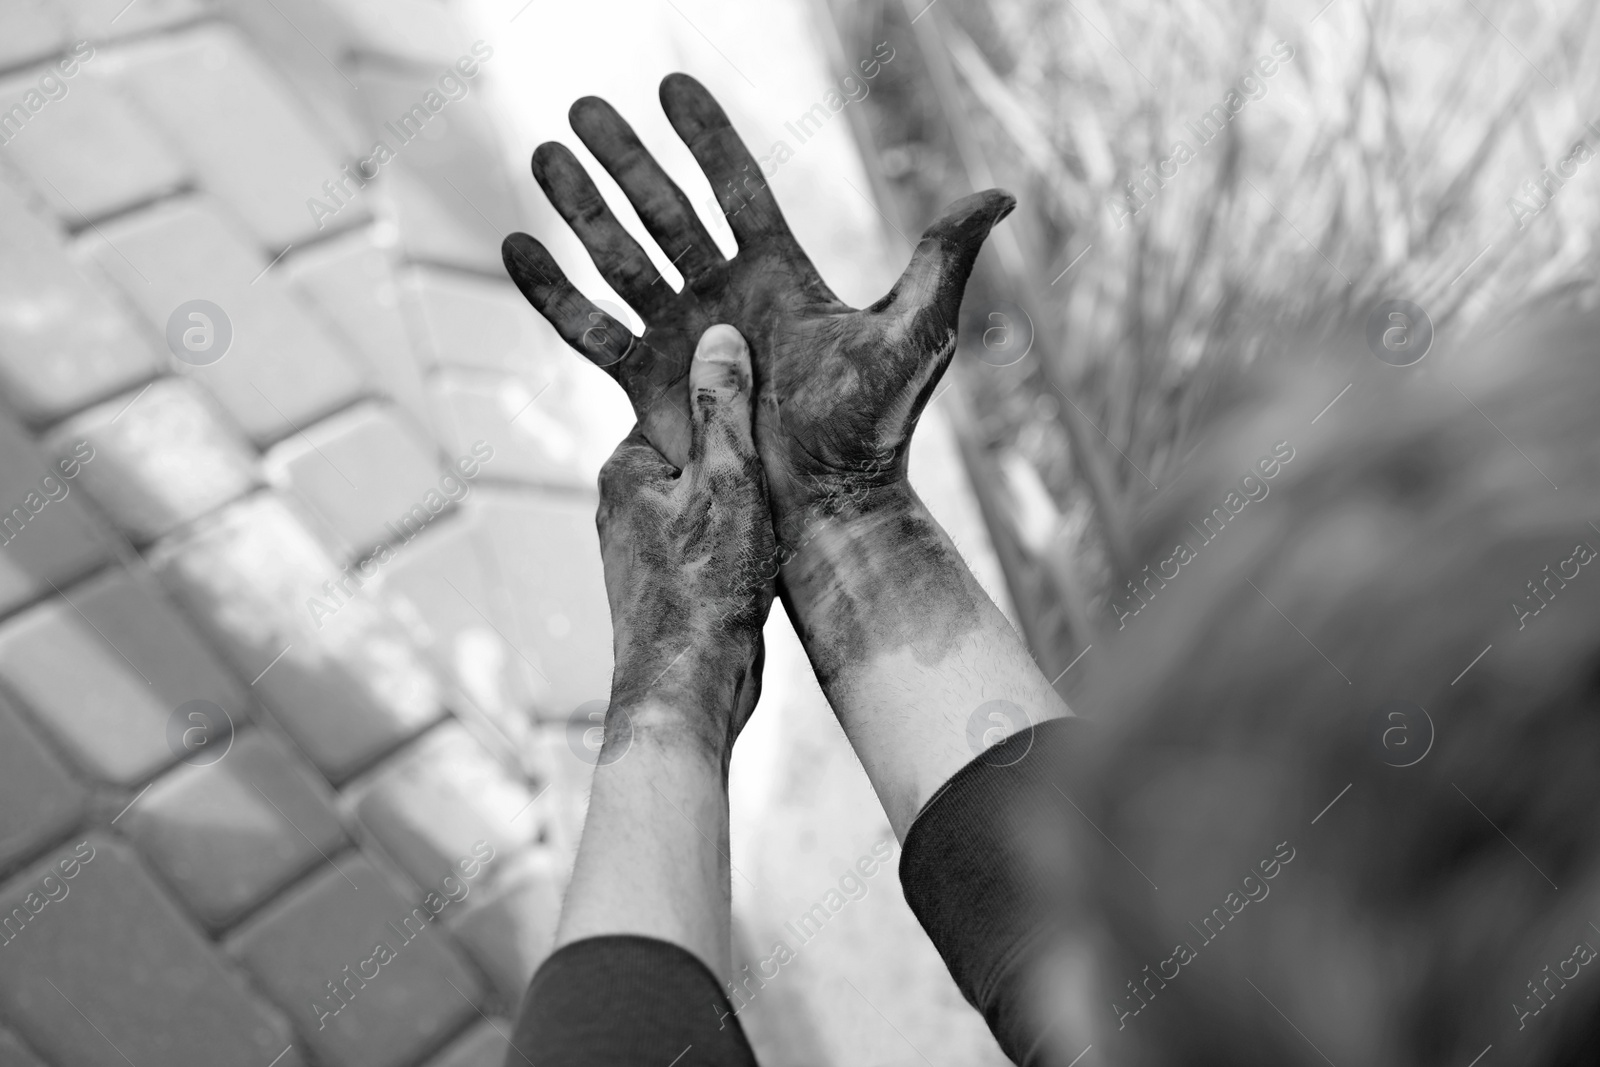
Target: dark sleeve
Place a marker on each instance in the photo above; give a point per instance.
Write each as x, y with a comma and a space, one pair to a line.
978, 874
626, 1001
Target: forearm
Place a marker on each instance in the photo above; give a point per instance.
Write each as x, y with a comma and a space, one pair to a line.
642, 948
641, 956
920, 666
653, 859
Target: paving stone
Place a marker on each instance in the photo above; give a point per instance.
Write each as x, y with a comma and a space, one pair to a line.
80, 690
229, 833
441, 589
30, 28
240, 127
442, 802
510, 932
435, 227
294, 35
485, 1044
506, 376
414, 31
316, 953
352, 281
63, 151
337, 671
109, 972
281, 371
472, 322
39, 800
449, 156
47, 536
63, 343
165, 454
366, 471
306, 38
101, 20
557, 431
13, 1053
547, 558
130, 607
103, 673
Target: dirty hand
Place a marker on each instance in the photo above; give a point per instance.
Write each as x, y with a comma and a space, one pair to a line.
688, 557
838, 390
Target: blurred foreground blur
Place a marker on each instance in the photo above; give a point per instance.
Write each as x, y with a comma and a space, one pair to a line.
1204, 189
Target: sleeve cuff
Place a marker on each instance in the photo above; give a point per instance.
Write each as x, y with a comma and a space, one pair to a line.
981, 877
627, 1001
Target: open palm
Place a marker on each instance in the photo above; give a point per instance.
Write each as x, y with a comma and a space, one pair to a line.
838, 389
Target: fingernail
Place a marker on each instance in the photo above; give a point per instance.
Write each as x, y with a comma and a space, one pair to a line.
720, 344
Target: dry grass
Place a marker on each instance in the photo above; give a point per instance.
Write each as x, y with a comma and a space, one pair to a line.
1378, 163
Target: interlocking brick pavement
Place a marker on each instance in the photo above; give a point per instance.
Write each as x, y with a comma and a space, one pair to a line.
107, 704
367, 976
347, 686
33, 28
431, 806
412, 32
127, 604
66, 150
47, 536
483, 325
366, 471
39, 800
165, 455
63, 343
450, 164
544, 546
510, 929
228, 834
104, 968
454, 605
437, 229
100, 20
253, 144
282, 370
482, 1046
551, 428
398, 730
352, 281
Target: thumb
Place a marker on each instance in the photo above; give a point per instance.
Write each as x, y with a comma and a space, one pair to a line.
720, 388
633, 464
927, 298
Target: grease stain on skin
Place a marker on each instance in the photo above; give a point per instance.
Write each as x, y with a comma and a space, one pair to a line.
900, 418
838, 394
682, 554
853, 587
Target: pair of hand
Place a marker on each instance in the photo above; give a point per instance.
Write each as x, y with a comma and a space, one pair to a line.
836, 391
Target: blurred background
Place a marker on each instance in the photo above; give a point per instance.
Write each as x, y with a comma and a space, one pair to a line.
303, 638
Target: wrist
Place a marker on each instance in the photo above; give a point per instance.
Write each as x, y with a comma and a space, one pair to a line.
844, 509
665, 725
692, 662
875, 579
684, 697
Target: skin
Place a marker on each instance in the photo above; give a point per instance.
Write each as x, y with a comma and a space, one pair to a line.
684, 555
905, 643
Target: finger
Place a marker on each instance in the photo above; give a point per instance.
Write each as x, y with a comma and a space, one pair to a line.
633, 464
735, 176
598, 336
720, 388
622, 263
662, 207
927, 297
